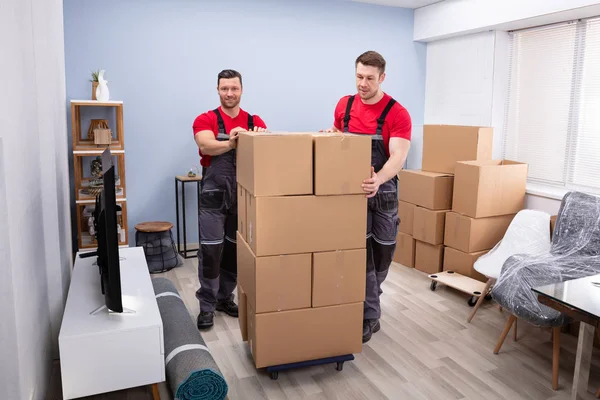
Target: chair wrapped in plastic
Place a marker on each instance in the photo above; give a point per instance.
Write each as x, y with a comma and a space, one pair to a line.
574, 253
527, 234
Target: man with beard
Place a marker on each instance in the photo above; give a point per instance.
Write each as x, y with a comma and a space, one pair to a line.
377, 114
216, 134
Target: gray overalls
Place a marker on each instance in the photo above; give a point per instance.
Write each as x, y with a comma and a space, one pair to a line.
217, 225
382, 219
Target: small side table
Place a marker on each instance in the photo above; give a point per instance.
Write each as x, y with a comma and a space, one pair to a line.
183, 180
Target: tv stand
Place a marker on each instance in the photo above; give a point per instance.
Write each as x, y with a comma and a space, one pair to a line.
103, 351
125, 310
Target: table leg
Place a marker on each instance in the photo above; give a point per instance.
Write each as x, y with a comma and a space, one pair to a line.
155, 392
177, 213
583, 360
183, 215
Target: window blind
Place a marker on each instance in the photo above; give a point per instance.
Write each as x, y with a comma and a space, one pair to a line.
552, 119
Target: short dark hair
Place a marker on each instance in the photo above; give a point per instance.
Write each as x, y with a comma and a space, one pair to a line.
372, 59
228, 74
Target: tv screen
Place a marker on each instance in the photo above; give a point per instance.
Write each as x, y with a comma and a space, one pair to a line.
108, 237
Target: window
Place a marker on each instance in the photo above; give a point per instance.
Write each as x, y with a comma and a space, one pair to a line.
552, 117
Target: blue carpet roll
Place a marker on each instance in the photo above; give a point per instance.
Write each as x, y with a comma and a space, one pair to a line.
191, 371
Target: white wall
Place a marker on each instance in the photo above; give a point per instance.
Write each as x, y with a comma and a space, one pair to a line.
9, 376
467, 84
35, 233
451, 18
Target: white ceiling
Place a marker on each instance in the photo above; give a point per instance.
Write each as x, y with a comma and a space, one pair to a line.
400, 3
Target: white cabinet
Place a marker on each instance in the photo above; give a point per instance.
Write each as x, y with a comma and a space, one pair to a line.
104, 352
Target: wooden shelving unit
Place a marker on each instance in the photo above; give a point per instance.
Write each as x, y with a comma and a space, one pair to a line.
101, 115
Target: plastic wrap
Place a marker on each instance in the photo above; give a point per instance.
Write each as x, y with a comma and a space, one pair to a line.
528, 233
574, 253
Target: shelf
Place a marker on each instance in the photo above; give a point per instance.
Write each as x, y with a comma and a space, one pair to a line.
83, 175
96, 119
95, 152
96, 103
84, 237
93, 201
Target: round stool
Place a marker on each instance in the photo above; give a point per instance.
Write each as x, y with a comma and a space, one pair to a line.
159, 247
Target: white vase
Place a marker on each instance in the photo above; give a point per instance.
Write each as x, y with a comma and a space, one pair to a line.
102, 92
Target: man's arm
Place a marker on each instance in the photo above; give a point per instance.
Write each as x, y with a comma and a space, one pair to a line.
398, 152
399, 144
209, 145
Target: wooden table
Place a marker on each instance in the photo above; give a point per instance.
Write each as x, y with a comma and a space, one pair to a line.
579, 299
183, 180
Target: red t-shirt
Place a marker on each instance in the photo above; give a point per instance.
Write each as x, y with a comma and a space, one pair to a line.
208, 122
363, 119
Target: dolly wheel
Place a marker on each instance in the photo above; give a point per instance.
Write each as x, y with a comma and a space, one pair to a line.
472, 301
339, 366
274, 375
433, 285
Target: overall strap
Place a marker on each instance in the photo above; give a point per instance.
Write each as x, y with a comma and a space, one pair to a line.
347, 115
381, 119
250, 122
220, 122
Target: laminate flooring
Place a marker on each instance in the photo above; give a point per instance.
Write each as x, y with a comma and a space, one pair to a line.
424, 350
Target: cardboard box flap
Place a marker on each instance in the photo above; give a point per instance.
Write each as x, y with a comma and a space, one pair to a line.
341, 163
338, 277
275, 164
274, 283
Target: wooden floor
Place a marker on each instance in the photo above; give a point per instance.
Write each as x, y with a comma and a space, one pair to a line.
424, 350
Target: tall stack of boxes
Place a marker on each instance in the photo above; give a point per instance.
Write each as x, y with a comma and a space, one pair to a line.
459, 205
487, 196
301, 252
426, 197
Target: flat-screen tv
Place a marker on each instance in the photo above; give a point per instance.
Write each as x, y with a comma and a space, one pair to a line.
105, 221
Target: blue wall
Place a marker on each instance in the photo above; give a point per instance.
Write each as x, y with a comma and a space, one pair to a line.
162, 57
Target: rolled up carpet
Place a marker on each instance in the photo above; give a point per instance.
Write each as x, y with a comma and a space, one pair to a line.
191, 371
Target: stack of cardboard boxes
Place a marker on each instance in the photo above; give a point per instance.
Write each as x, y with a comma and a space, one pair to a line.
301, 252
459, 205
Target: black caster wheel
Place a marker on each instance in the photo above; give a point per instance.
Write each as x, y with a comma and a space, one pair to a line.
433, 285
274, 375
472, 301
488, 296
339, 366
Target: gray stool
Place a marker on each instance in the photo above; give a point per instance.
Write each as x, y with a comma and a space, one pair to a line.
159, 247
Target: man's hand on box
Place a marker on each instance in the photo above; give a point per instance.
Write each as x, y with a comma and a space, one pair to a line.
371, 185
233, 136
259, 129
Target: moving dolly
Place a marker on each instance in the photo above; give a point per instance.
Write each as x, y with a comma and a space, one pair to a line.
461, 283
274, 370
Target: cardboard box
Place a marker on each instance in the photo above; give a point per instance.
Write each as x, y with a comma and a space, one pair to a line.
470, 235
489, 188
405, 250
342, 163
242, 312
444, 145
552, 224
405, 213
428, 225
429, 258
339, 277
306, 224
275, 164
241, 208
462, 263
426, 189
274, 283
302, 335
